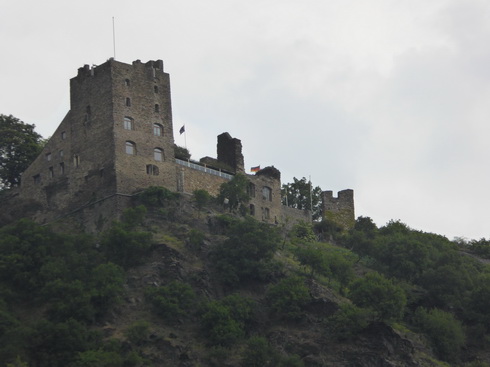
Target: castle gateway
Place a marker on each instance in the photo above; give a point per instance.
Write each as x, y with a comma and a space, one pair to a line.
118, 139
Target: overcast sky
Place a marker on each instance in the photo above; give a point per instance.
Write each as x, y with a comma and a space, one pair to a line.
388, 98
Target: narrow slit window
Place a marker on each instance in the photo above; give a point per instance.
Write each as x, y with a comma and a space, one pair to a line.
62, 168
127, 82
157, 107
51, 172
128, 102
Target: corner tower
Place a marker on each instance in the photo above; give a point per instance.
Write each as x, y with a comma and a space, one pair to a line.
116, 139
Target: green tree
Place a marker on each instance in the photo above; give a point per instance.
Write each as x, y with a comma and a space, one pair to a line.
258, 353
171, 301
445, 332
235, 192
19, 146
301, 194
288, 298
201, 198
313, 257
347, 322
386, 299
248, 252
226, 321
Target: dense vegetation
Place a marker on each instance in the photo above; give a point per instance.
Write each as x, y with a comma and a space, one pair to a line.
244, 282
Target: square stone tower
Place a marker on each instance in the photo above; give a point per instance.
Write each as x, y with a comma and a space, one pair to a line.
117, 138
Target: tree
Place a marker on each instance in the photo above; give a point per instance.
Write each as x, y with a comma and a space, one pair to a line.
201, 198
19, 146
374, 291
300, 194
235, 192
289, 297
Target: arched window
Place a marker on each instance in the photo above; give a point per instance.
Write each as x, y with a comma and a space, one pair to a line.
155, 88
158, 154
157, 130
130, 148
152, 170
267, 193
127, 82
128, 123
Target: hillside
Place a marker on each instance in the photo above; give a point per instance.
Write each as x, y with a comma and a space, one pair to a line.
180, 282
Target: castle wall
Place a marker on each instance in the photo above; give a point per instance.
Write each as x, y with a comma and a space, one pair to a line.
339, 209
190, 180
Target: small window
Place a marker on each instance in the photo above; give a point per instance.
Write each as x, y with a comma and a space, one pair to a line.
61, 153
266, 213
48, 156
157, 130
252, 210
155, 88
128, 102
127, 82
157, 107
62, 168
152, 170
158, 154
37, 179
130, 148
63, 135
267, 193
128, 123
76, 160
51, 172
251, 190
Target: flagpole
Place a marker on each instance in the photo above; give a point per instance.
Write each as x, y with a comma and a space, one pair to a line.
114, 37
311, 201
185, 137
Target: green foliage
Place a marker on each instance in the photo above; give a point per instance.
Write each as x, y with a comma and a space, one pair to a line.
247, 254
288, 298
19, 146
201, 198
300, 194
313, 257
137, 333
444, 330
181, 153
196, 239
235, 191
99, 358
379, 294
327, 229
258, 353
124, 246
172, 301
303, 231
133, 217
224, 322
347, 322
58, 344
157, 196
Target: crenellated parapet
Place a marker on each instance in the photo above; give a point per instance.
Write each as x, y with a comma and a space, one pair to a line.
339, 209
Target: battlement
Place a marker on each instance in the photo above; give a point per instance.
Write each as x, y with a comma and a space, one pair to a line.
340, 209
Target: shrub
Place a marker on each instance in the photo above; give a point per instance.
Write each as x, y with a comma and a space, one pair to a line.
288, 297
137, 332
445, 332
347, 322
258, 353
172, 301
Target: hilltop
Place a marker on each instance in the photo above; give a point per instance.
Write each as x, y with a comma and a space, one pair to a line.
179, 281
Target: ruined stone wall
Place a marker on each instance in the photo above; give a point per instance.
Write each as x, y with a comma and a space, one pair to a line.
230, 152
339, 209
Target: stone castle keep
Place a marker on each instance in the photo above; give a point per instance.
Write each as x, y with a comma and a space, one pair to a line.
118, 139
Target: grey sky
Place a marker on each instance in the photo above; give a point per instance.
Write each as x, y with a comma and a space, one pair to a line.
389, 98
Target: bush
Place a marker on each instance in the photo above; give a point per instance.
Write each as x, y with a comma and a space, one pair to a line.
137, 332
445, 332
381, 295
224, 322
347, 322
157, 196
258, 353
288, 298
172, 301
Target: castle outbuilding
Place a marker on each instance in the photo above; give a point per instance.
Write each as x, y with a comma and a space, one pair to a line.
118, 139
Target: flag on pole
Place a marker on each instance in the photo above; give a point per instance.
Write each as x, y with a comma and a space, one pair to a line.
182, 130
255, 169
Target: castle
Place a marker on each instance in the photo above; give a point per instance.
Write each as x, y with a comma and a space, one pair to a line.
118, 139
